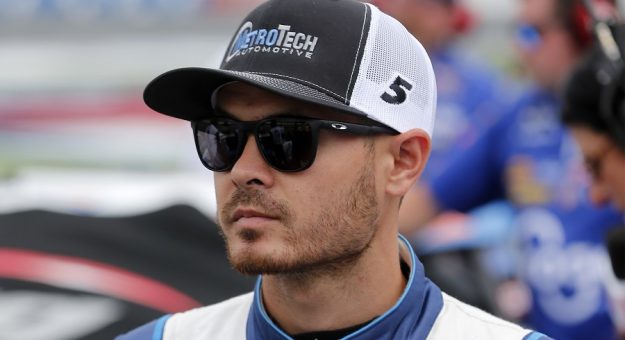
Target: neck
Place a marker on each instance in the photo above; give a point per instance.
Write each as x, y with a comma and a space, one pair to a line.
337, 296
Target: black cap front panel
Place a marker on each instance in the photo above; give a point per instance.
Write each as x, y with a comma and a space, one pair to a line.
318, 43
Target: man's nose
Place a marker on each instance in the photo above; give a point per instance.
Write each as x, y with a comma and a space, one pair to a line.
251, 167
599, 196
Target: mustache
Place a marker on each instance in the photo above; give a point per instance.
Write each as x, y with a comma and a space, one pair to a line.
257, 199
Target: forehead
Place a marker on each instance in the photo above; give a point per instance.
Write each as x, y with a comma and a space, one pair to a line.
248, 102
588, 140
537, 11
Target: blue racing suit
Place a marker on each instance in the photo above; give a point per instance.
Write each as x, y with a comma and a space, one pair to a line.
422, 312
470, 98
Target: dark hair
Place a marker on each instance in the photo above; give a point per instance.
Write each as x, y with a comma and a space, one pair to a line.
574, 16
582, 94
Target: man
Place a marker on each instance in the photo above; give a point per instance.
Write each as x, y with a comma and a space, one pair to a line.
599, 129
316, 125
593, 110
530, 160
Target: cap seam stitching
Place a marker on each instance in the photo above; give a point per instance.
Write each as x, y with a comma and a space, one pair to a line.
302, 80
351, 76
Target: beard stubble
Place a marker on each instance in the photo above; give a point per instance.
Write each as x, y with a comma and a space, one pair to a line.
332, 241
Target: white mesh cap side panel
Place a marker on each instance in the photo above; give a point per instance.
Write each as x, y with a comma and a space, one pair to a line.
392, 52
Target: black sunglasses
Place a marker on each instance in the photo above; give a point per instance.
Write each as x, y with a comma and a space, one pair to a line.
594, 164
287, 143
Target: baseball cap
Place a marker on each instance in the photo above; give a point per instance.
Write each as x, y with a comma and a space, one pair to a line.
342, 54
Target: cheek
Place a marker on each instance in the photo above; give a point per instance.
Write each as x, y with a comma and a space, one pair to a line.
309, 192
336, 152
222, 188
322, 183
615, 173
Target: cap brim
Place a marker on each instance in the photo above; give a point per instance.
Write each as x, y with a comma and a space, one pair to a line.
186, 93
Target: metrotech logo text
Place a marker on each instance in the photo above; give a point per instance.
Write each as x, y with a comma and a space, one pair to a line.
279, 40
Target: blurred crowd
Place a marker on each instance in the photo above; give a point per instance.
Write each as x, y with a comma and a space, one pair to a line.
519, 211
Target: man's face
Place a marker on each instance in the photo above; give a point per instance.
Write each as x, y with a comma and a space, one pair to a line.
549, 52
606, 164
277, 222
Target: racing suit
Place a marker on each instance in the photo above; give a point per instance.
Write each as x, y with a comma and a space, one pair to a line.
422, 312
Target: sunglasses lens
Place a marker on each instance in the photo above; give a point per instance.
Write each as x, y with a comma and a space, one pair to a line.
528, 36
218, 143
288, 145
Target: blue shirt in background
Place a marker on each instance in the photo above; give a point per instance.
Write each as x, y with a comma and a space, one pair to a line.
529, 159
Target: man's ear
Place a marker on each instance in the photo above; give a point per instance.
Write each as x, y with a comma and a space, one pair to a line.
410, 151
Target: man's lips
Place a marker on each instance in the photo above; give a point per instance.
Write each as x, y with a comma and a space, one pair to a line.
242, 214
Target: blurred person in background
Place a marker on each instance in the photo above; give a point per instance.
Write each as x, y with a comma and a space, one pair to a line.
599, 130
472, 95
594, 111
529, 159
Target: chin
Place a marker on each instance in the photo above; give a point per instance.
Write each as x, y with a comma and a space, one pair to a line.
255, 262
254, 256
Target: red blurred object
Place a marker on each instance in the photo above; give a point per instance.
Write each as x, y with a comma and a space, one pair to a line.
46, 110
94, 277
